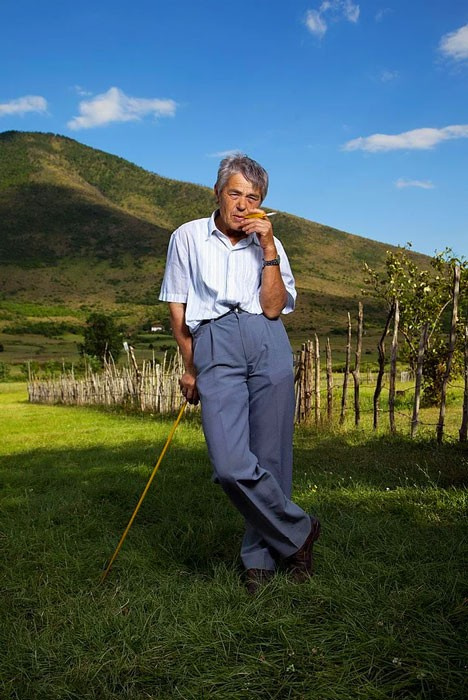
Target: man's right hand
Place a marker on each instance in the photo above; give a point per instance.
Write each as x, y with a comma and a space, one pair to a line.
188, 385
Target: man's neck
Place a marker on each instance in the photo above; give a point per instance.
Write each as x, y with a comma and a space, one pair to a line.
234, 236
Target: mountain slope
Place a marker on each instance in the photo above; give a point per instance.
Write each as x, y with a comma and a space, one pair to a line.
87, 229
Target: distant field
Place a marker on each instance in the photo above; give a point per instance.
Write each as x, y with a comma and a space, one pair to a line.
11, 310
58, 346
22, 346
20, 349
384, 617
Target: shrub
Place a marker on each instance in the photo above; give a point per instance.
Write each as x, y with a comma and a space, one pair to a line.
49, 329
5, 371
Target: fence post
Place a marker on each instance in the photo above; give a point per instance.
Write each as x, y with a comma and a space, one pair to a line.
329, 382
463, 433
418, 382
357, 366
393, 367
302, 382
381, 350
317, 380
297, 385
344, 397
451, 349
310, 359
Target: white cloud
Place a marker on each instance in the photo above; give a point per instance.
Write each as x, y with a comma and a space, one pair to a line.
22, 105
81, 91
418, 139
316, 21
224, 154
388, 75
405, 182
115, 106
455, 44
351, 11
381, 14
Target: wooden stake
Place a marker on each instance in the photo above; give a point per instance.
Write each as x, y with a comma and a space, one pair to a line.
357, 366
344, 397
329, 382
310, 359
463, 433
380, 375
418, 382
393, 368
451, 349
317, 380
303, 380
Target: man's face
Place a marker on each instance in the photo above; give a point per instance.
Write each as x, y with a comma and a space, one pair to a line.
237, 198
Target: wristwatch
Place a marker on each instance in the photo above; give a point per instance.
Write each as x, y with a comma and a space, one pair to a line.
267, 263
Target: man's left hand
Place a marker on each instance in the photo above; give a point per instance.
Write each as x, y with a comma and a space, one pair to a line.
264, 230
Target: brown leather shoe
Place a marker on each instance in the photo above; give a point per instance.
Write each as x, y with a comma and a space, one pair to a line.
256, 579
301, 564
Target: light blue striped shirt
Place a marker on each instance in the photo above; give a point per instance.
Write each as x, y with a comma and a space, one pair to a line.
211, 276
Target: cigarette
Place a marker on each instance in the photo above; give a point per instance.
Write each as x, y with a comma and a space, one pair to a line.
258, 216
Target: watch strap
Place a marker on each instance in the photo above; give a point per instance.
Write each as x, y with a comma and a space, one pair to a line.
268, 263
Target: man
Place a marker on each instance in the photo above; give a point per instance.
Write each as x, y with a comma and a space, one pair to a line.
227, 282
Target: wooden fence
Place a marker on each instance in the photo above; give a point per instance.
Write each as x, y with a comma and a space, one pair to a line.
322, 394
308, 384
155, 387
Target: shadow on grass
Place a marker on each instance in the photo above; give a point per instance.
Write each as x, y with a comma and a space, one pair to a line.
382, 460
89, 495
385, 610
365, 492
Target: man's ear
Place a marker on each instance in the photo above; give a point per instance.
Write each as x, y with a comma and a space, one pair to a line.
215, 190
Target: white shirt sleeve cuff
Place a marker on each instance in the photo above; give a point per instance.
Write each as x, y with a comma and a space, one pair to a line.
166, 296
290, 304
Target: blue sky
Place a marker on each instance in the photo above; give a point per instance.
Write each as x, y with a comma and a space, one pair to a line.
358, 110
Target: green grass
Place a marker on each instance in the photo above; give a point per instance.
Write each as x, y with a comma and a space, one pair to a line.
383, 617
18, 309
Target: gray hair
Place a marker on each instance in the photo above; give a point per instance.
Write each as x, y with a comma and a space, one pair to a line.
250, 169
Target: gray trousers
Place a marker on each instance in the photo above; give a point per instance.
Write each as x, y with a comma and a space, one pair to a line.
245, 381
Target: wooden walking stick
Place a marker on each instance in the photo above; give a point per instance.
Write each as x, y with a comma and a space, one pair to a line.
163, 452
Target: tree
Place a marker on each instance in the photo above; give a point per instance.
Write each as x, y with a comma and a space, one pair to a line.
423, 296
4, 372
102, 338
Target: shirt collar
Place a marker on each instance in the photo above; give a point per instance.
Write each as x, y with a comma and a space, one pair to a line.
212, 229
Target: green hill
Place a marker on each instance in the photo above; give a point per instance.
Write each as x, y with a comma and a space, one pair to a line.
84, 230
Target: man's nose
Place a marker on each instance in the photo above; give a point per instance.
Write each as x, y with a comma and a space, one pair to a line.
241, 203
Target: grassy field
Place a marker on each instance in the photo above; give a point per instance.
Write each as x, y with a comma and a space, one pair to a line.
383, 618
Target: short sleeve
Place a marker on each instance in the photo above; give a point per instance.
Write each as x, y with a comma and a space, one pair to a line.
288, 279
176, 281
